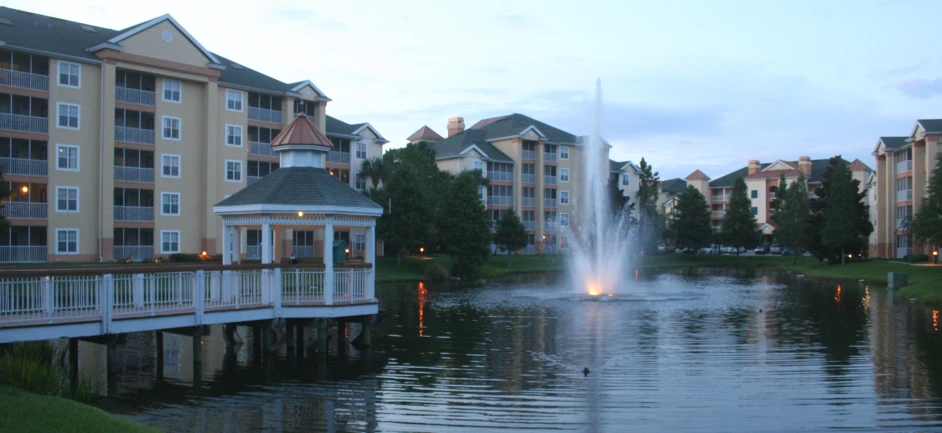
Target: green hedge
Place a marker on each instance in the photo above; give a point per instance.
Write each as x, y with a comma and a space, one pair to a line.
916, 258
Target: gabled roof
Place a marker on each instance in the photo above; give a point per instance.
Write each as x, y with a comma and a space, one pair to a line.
296, 87
859, 165
781, 165
302, 187
124, 34
818, 166
931, 126
457, 145
618, 167
890, 143
301, 132
515, 124
697, 175
338, 128
425, 134
673, 186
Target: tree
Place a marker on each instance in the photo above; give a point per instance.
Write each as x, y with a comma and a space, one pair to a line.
927, 223
464, 225
791, 216
511, 235
739, 224
648, 182
859, 214
692, 224
375, 168
407, 219
839, 231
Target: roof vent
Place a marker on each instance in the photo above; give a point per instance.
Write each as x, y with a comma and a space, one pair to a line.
88, 28
6, 21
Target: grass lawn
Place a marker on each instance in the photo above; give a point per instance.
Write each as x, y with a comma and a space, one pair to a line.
925, 282
25, 412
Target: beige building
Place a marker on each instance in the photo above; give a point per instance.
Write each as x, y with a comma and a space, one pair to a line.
534, 168
117, 143
904, 166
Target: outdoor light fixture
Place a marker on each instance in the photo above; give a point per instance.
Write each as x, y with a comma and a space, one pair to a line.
422, 249
347, 251
203, 253
935, 257
25, 189
300, 213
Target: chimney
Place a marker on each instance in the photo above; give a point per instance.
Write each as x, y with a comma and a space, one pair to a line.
455, 125
804, 166
754, 166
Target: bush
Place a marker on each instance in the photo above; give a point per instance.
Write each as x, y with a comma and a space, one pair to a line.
436, 272
916, 258
39, 367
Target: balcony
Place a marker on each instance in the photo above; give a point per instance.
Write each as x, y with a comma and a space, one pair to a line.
549, 202
529, 225
22, 253
529, 201
500, 200
24, 80
720, 198
549, 226
133, 213
718, 214
133, 135
904, 195
302, 251
528, 178
501, 176
25, 210
338, 157
264, 115
134, 252
904, 166
902, 223
253, 252
252, 179
549, 180
23, 166
19, 122
529, 155
260, 149
134, 174
550, 156
134, 96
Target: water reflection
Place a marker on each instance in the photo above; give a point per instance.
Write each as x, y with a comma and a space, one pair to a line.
692, 349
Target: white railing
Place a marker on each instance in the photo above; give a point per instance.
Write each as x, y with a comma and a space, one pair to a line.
904, 195
529, 155
549, 156
153, 293
264, 115
350, 284
133, 135
528, 178
134, 96
529, 225
551, 226
501, 176
253, 252
251, 179
549, 202
26, 167
134, 252
261, 149
338, 157
720, 198
718, 213
133, 174
133, 213
549, 180
904, 166
25, 210
303, 251
19, 122
302, 285
24, 80
49, 298
529, 201
22, 253
500, 200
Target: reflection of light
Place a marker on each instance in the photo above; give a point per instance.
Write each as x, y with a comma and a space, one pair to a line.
594, 288
636, 274
837, 296
935, 320
422, 294
866, 299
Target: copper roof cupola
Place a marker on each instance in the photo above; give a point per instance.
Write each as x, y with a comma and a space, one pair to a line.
301, 144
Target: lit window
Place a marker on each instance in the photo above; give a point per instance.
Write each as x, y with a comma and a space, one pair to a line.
171, 129
67, 157
67, 241
170, 203
234, 135
170, 165
361, 150
70, 74
172, 90
564, 174
67, 199
233, 171
169, 241
68, 115
233, 100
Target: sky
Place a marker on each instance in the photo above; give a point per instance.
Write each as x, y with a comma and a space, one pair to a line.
686, 85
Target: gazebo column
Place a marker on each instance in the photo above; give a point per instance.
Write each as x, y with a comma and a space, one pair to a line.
266, 243
277, 253
329, 260
370, 257
226, 244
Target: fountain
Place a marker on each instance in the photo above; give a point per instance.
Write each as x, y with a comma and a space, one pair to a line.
599, 246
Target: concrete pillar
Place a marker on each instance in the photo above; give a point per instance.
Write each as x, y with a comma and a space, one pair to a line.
73, 365
112, 365
322, 336
226, 245
370, 257
197, 346
266, 243
367, 333
159, 355
342, 334
329, 260
299, 340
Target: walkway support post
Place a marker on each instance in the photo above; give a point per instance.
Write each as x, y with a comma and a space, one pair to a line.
73, 366
322, 336
159, 355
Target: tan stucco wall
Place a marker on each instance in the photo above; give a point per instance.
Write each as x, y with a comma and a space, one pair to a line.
150, 43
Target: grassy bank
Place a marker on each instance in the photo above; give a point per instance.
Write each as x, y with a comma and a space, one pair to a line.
25, 412
925, 282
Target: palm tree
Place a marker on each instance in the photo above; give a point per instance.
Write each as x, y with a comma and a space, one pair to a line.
374, 168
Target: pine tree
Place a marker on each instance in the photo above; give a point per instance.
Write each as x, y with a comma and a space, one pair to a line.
511, 235
648, 232
838, 232
792, 216
691, 225
739, 224
859, 214
463, 224
927, 223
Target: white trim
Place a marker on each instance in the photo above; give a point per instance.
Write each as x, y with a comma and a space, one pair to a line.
293, 209
78, 115
241, 170
474, 147
533, 128
241, 100
561, 175
162, 250
778, 163
179, 165
241, 134
561, 196
560, 150
371, 128
77, 238
304, 83
158, 20
179, 203
78, 157
163, 90
59, 74
179, 128
78, 198
559, 217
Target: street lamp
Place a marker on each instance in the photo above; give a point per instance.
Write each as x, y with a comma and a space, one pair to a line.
935, 257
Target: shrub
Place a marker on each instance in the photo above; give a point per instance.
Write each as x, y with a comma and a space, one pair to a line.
183, 258
916, 258
39, 367
436, 272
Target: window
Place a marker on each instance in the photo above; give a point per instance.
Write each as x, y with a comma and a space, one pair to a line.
169, 241
563, 152
361, 150
234, 135
67, 241
172, 89
481, 192
67, 199
479, 165
171, 129
170, 165
233, 100
625, 180
755, 193
170, 203
564, 242
68, 157
70, 74
564, 220
359, 242
755, 211
233, 171
360, 181
68, 115
564, 197
564, 175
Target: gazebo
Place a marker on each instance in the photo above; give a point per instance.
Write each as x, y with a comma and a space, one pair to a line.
301, 195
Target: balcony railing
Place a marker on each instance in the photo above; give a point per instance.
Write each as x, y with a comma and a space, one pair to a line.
22, 253
718, 213
253, 252
549, 202
551, 226
904, 166
904, 195
529, 225
133, 135
902, 223
26, 167
501, 176
134, 252
720, 198
550, 156
302, 251
549, 249
264, 115
549, 180
262, 149
500, 200
252, 179
133, 174
19, 122
24, 80
528, 178
134, 96
133, 213
338, 157
25, 210
529, 201
529, 155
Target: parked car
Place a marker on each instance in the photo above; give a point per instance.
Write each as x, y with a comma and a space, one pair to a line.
788, 252
775, 249
762, 249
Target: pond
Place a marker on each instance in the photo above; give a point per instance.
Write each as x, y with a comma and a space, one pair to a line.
703, 349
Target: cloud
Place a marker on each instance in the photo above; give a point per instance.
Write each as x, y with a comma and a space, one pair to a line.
514, 20
902, 70
921, 88
307, 18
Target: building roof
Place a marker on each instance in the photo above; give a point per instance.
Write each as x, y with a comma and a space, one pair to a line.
301, 132
514, 124
336, 126
301, 187
818, 167
673, 186
859, 165
617, 167
697, 175
425, 134
931, 125
893, 143
457, 145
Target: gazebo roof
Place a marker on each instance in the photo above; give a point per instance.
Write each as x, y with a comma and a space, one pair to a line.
295, 189
301, 132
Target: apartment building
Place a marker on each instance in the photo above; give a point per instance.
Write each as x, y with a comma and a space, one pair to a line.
626, 176
117, 143
534, 168
904, 166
